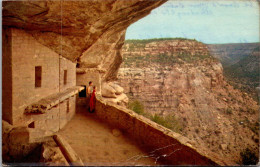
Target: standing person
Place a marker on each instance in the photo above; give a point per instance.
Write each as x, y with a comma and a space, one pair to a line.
89, 92
92, 101
89, 88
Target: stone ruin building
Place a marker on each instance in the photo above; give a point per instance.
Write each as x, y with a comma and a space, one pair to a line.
41, 88
46, 66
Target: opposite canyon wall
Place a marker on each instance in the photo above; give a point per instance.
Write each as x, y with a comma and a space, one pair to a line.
179, 80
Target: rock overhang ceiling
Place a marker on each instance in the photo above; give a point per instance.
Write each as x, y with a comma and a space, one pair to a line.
88, 31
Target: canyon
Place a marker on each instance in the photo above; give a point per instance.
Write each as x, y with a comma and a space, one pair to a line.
230, 54
245, 74
80, 41
180, 78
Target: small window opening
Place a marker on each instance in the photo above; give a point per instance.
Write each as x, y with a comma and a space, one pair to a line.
77, 65
38, 76
65, 77
68, 106
83, 93
31, 125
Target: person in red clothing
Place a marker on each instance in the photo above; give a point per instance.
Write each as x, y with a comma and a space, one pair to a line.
92, 102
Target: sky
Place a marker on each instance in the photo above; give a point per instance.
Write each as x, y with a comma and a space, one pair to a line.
210, 22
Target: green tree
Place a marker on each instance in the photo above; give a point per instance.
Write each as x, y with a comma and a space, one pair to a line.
136, 106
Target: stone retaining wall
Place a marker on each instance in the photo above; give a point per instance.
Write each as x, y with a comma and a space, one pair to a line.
22, 56
177, 149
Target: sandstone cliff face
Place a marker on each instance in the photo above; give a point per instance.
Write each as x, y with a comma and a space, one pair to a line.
248, 68
230, 54
245, 74
211, 112
90, 32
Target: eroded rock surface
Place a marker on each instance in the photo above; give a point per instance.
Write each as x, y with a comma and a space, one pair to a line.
230, 54
19, 142
113, 93
169, 79
51, 154
90, 30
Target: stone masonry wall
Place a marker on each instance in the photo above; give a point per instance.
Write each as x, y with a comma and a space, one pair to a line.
65, 64
89, 75
178, 150
7, 75
26, 54
57, 117
21, 54
83, 79
67, 111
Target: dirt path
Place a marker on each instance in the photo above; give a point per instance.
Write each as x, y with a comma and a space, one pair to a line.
98, 144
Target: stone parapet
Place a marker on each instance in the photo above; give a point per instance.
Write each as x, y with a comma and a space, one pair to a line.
169, 146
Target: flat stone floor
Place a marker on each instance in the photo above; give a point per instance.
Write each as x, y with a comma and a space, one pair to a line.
96, 143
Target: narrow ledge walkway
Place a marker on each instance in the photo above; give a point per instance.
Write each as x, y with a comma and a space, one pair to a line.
98, 144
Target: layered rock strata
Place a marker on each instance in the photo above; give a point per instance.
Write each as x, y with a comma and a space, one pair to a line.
181, 78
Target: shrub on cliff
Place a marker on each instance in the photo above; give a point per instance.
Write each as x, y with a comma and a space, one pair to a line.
169, 122
193, 58
161, 120
136, 106
248, 157
228, 111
